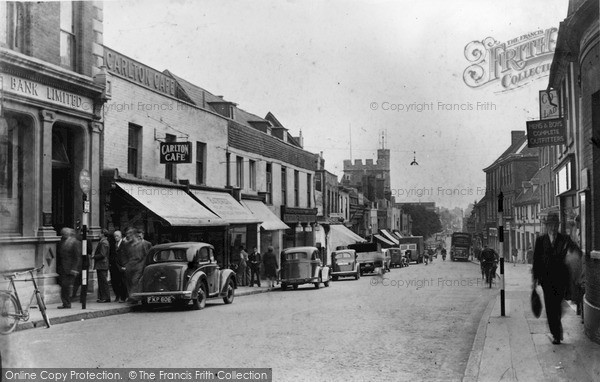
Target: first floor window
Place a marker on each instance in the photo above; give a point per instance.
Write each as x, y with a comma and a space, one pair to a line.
200, 162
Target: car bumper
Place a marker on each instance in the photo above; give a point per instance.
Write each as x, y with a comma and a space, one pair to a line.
299, 281
344, 273
177, 295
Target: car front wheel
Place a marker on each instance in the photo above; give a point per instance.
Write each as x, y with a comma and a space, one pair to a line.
200, 301
230, 294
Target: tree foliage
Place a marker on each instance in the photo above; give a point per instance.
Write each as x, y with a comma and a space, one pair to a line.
424, 222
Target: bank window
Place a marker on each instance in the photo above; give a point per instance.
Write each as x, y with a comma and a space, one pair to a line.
15, 22
170, 168
11, 176
269, 196
252, 174
200, 162
308, 188
283, 186
239, 172
133, 150
67, 35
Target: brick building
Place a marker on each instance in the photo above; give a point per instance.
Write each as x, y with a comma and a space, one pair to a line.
575, 74
516, 164
50, 126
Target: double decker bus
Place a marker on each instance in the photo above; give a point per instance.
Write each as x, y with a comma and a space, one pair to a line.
460, 248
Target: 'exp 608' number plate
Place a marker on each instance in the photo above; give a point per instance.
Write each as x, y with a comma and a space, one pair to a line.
160, 299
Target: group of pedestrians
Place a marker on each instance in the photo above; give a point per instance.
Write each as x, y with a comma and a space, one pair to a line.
247, 266
122, 258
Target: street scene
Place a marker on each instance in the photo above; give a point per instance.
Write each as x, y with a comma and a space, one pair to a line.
300, 191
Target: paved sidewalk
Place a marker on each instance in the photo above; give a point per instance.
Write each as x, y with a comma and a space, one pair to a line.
518, 346
94, 309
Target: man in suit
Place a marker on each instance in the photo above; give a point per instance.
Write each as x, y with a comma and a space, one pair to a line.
69, 253
101, 260
551, 272
120, 260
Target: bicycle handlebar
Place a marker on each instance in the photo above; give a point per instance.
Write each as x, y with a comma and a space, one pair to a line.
21, 272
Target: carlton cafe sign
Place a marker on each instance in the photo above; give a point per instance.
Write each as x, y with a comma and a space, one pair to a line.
175, 152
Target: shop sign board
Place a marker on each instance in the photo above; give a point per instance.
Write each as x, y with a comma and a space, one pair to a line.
547, 132
175, 152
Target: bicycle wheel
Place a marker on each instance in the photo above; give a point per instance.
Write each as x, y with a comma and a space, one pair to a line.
9, 316
42, 307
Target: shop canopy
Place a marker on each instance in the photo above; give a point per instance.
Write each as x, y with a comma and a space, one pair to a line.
385, 233
174, 205
383, 240
270, 221
340, 236
226, 207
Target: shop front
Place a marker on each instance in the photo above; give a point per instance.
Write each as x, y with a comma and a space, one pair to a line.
271, 229
166, 213
49, 132
301, 222
242, 224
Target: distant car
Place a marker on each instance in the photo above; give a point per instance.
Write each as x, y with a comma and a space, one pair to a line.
184, 274
397, 258
344, 264
302, 265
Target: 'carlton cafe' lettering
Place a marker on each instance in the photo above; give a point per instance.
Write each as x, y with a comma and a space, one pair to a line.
173, 152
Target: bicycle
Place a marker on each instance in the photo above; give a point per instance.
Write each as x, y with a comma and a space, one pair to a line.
489, 273
11, 309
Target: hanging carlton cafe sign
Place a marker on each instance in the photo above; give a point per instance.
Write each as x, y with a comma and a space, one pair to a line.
175, 152
512, 64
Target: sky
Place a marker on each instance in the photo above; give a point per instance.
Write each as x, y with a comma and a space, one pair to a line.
355, 76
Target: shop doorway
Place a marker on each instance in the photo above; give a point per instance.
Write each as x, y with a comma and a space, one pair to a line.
62, 179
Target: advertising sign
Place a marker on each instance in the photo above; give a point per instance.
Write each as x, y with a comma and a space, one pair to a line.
175, 152
547, 132
549, 104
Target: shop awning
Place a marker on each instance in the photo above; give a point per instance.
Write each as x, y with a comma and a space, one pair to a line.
339, 235
383, 240
270, 221
174, 205
389, 236
226, 207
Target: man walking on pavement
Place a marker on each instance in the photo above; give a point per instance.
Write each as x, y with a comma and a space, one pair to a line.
117, 267
254, 259
69, 254
550, 271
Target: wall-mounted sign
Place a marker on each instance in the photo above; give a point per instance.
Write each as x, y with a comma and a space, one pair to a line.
35, 90
548, 132
175, 152
131, 70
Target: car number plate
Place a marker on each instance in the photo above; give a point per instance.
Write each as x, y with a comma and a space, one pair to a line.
160, 299
342, 263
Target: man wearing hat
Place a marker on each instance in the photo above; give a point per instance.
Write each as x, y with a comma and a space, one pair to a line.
551, 272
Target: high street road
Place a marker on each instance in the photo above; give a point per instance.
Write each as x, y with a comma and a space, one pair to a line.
415, 323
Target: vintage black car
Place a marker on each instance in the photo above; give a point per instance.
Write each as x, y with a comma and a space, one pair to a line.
344, 264
186, 274
302, 265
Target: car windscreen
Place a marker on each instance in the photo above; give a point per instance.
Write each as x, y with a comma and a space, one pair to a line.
296, 256
171, 254
342, 255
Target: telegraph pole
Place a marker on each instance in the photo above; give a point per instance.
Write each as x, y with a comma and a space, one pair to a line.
501, 240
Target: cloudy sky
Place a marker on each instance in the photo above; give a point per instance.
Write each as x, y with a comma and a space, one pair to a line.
346, 73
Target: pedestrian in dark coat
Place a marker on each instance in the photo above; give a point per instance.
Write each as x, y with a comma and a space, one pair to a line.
69, 253
270, 266
101, 254
254, 259
550, 271
136, 260
117, 267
